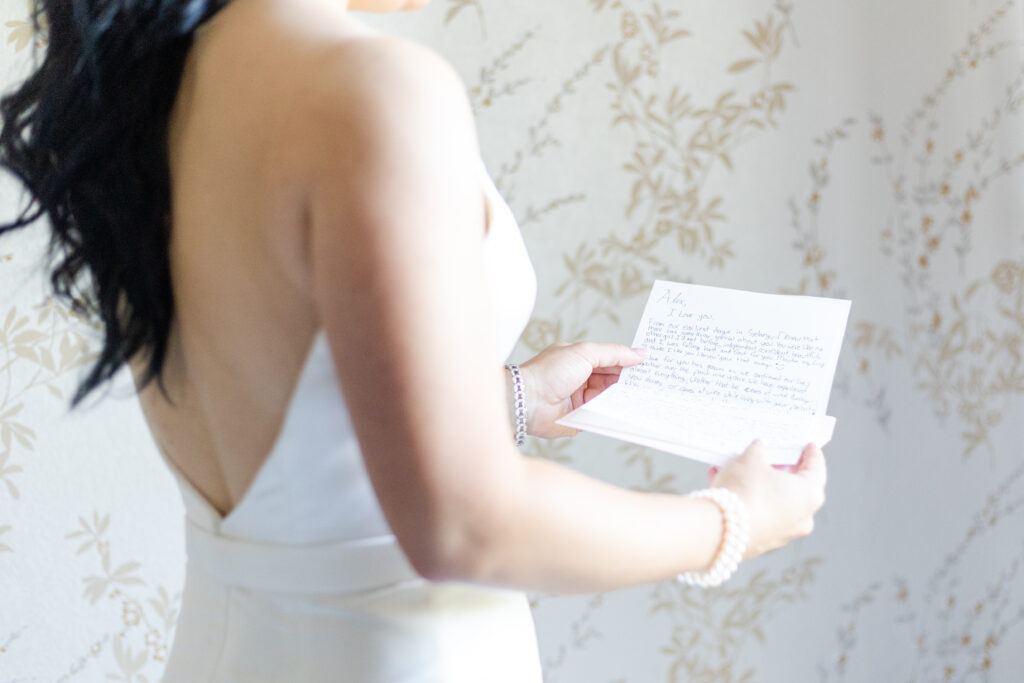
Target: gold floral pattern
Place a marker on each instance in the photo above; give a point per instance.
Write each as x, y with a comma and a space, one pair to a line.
21, 34
36, 351
456, 6
977, 367
678, 142
731, 618
148, 616
957, 629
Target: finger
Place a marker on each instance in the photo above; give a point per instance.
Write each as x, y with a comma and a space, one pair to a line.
615, 371
561, 431
597, 384
601, 355
755, 454
578, 397
602, 382
592, 392
812, 465
800, 461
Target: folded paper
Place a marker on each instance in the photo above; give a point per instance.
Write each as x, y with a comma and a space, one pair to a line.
724, 367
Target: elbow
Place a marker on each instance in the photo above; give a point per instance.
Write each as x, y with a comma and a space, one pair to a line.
467, 553
467, 530
440, 567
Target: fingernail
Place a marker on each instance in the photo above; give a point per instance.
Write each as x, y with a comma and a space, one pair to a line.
640, 352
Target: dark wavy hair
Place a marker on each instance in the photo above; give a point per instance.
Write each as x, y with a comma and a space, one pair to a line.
86, 134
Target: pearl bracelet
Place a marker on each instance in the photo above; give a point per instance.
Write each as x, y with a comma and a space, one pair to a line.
519, 403
735, 536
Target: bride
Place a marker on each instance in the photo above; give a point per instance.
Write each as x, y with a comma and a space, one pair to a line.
282, 221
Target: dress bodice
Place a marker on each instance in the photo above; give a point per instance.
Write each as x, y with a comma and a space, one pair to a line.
307, 560
312, 486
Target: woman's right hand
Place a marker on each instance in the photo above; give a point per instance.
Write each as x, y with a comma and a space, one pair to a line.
780, 503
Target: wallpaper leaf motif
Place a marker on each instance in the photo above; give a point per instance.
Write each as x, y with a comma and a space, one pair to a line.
873, 345
678, 143
487, 90
32, 359
539, 139
456, 6
955, 627
967, 350
118, 585
96, 586
967, 344
711, 627
582, 632
977, 367
821, 278
128, 663
22, 33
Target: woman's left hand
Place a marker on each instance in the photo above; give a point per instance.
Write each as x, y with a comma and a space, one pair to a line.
563, 377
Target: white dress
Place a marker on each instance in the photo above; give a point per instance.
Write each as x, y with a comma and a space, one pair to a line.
304, 581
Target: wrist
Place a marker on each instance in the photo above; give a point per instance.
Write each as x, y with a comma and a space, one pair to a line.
517, 405
735, 535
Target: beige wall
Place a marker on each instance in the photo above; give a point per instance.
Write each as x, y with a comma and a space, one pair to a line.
872, 150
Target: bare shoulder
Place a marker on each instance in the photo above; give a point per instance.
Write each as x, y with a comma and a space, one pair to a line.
376, 63
374, 97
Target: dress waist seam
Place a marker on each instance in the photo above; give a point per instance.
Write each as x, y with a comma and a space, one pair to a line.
331, 567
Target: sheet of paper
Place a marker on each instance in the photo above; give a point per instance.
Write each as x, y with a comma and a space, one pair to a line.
725, 366
704, 433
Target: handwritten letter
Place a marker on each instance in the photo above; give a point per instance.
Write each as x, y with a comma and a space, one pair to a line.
723, 367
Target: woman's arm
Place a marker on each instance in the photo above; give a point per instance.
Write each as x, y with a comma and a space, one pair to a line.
396, 220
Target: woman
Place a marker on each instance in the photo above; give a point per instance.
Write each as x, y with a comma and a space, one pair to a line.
285, 222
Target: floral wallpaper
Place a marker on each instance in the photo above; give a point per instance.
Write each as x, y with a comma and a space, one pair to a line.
871, 151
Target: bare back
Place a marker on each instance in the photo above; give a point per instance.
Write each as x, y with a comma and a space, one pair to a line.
245, 317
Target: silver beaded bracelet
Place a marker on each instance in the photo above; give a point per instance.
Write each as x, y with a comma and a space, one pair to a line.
519, 403
735, 536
